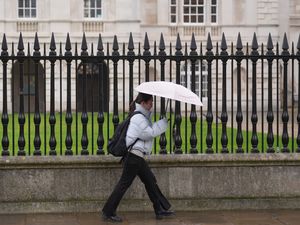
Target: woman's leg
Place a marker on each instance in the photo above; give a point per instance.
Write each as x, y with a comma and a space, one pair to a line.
130, 169
154, 192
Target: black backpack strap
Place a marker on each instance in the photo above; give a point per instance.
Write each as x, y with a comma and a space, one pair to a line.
130, 146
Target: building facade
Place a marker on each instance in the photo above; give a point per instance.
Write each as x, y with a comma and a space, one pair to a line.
140, 17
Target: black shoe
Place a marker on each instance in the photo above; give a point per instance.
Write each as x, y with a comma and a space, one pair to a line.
112, 218
163, 213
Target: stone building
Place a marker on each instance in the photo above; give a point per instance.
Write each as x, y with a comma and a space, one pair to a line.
154, 17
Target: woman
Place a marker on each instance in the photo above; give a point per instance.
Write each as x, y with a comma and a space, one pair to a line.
142, 130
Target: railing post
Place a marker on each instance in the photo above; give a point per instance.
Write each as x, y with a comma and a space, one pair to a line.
270, 116
201, 95
68, 140
178, 139
209, 115
100, 118
146, 56
115, 60
4, 119
285, 115
52, 120
224, 116
84, 115
254, 119
21, 116
37, 117
239, 114
162, 59
298, 116
130, 55
193, 115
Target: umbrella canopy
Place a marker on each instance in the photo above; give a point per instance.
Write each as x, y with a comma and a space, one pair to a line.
169, 90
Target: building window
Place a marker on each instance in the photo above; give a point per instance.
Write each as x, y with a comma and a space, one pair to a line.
92, 8
173, 11
213, 11
201, 74
193, 11
27, 8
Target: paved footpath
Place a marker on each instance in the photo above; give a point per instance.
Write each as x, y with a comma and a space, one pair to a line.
232, 217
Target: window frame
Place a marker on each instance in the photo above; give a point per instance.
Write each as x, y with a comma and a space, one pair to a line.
30, 9
214, 14
176, 11
207, 14
196, 14
95, 8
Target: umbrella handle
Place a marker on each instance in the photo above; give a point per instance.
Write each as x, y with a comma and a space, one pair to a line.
167, 105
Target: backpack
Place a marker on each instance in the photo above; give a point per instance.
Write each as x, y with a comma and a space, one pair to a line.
117, 144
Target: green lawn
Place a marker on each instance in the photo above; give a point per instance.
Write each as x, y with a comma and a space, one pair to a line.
60, 134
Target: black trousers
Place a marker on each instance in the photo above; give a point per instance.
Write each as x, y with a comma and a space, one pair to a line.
135, 166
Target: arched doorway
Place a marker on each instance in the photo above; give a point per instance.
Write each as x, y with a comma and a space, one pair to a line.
28, 86
93, 76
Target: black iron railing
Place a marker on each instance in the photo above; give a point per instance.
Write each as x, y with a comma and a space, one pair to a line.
60, 103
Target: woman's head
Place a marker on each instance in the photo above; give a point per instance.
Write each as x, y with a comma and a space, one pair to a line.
143, 99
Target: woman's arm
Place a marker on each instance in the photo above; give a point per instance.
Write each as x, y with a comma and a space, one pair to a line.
145, 130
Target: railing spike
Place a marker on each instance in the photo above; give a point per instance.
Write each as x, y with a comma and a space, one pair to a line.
185, 49
52, 43
270, 43
44, 48
139, 48
146, 42
84, 44
20, 44
209, 45
178, 43
223, 43
193, 43
4, 43
123, 48
285, 44
254, 42
28, 49
60, 49
100, 44
76, 49
92, 49
12, 49
115, 44
239, 44
68, 43
201, 48
130, 43
36, 46
162, 46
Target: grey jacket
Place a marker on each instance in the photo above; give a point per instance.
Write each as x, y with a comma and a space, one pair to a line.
141, 127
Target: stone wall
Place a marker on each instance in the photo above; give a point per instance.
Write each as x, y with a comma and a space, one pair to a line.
191, 182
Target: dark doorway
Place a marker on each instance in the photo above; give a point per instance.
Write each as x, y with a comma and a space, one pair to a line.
94, 93
28, 86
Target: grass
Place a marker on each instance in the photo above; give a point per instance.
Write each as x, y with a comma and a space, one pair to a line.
92, 130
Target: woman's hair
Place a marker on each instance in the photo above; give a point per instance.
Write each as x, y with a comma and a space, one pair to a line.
141, 97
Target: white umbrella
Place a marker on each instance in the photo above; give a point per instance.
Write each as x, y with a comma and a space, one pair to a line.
169, 90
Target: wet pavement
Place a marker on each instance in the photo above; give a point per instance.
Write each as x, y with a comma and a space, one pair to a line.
230, 217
